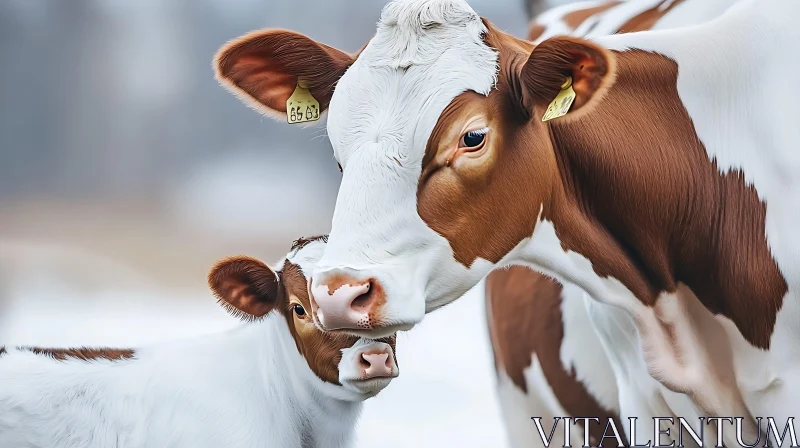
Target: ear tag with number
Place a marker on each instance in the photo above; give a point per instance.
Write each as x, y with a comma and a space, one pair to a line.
301, 107
563, 101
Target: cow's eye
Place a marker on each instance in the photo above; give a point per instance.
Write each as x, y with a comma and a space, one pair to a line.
299, 310
473, 139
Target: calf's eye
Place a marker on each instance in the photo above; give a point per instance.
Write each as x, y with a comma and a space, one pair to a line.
299, 310
473, 139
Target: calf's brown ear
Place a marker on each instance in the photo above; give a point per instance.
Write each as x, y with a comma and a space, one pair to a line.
553, 61
263, 67
246, 287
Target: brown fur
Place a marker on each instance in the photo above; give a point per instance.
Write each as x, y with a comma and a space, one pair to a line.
245, 286
535, 30
647, 19
526, 320
263, 68
83, 353
574, 19
626, 183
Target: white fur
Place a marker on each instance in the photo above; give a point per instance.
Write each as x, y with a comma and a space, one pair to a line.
380, 117
580, 351
248, 387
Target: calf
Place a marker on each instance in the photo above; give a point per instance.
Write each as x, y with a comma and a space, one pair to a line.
276, 381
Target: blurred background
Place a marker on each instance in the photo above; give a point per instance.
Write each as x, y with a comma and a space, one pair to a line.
126, 171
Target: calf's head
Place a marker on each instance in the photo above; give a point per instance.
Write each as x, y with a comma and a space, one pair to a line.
437, 126
251, 290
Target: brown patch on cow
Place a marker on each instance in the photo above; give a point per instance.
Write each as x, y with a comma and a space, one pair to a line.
525, 320
574, 19
535, 30
83, 353
627, 184
647, 19
640, 198
322, 350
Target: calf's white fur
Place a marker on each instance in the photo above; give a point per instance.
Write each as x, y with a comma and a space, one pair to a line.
248, 387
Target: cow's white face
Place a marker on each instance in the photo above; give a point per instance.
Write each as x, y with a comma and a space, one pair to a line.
381, 116
425, 123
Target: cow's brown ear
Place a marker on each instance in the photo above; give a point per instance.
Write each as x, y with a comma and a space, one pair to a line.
263, 68
246, 287
556, 60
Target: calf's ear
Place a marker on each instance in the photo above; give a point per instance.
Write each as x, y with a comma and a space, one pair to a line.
246, 287
554, 61
263, 68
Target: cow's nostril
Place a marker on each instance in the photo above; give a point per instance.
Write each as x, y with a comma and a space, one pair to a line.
363, 300
364, 362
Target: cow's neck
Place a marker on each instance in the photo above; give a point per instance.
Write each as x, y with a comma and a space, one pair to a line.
641, 200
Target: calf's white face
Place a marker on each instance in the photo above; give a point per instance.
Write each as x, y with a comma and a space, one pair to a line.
250, 290
418, 121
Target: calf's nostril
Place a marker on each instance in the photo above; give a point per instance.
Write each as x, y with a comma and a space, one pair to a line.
364, 361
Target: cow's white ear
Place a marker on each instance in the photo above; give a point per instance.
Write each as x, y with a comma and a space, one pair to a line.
263, 69
563, 63
246, 287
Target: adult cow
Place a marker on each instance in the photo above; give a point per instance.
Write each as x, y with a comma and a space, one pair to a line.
549, 349
671, 197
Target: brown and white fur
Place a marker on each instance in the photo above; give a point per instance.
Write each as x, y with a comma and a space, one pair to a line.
565, 365
669, 190
275, 381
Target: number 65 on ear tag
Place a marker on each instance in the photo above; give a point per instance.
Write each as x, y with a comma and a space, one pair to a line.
301, 107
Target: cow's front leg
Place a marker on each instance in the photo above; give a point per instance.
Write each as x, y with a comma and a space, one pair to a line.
688, 351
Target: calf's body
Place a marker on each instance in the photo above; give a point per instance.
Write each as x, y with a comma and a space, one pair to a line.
274, 382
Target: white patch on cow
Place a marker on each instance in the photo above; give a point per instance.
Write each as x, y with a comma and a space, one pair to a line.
518, 407
689, 351
384, 108
581, 352
692, 12
755, 131
544, 253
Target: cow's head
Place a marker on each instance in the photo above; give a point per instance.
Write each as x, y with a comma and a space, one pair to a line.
437, 125
346, 366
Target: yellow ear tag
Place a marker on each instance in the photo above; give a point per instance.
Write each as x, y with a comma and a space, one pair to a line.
563, 101
301, 107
